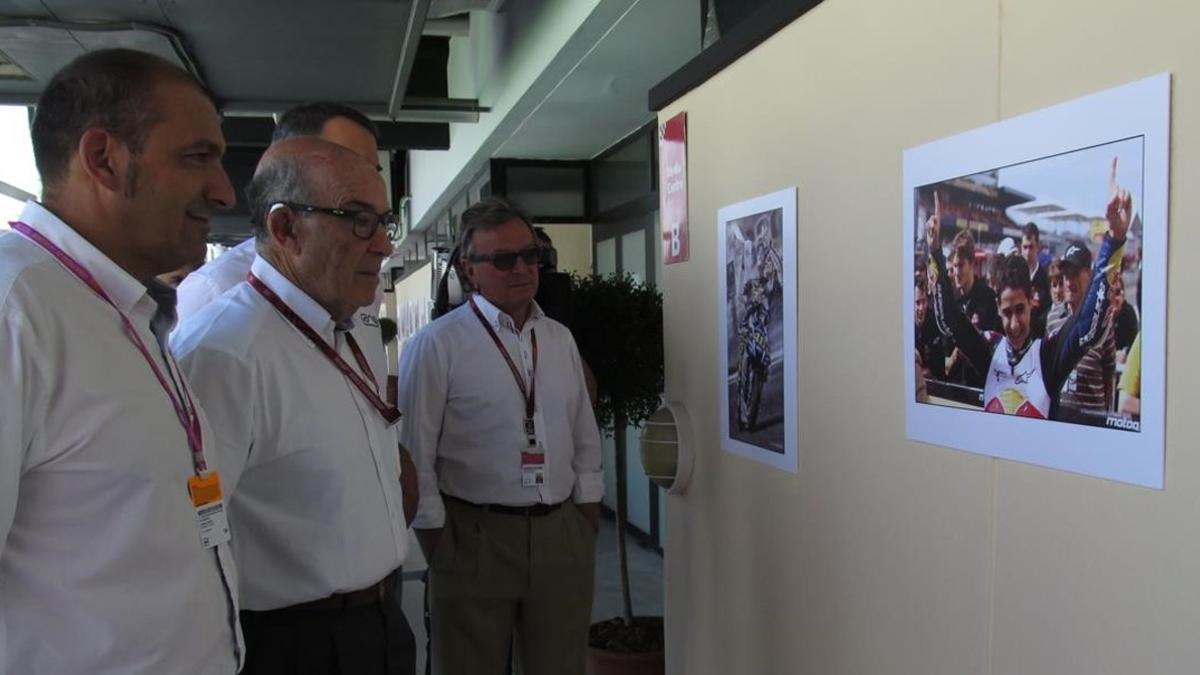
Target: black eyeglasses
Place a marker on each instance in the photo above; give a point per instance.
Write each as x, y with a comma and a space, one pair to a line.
364, 223
507, 261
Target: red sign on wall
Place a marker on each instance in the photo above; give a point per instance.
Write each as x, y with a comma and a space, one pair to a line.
672, 188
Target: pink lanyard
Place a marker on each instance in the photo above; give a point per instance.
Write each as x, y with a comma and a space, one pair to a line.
185, 408
527, 393
388, 411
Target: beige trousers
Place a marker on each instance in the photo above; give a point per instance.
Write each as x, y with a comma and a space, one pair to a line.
498, 579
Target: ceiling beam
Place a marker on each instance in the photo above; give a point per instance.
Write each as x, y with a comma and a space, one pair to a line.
416, 109
452, 26
255, 132
408, 53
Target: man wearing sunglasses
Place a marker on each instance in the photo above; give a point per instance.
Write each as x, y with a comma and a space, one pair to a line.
304, 436
508, 459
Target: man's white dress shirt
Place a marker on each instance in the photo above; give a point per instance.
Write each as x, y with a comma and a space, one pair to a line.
311, 468
229, 269
213, 278
101, 565
464, 417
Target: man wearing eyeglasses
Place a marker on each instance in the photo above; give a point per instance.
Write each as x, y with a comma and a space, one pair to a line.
335, 123
304, 437
508, 460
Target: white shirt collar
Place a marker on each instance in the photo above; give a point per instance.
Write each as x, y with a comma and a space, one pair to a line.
499, 319
124, 290
309, 310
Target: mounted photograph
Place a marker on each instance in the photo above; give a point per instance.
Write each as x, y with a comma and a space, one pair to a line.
757, 292
1034, 288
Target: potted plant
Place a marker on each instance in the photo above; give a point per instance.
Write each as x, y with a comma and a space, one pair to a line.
617, 323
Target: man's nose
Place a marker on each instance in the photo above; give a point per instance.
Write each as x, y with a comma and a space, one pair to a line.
220, 190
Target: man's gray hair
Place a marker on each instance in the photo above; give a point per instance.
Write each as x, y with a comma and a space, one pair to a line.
488, 214
281, 180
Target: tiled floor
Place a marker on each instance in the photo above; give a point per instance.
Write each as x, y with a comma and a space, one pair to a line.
645, 574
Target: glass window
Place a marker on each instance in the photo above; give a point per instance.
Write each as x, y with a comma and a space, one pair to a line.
624, 175
547, 191
10, 209
17, 169
606, 257
633, 254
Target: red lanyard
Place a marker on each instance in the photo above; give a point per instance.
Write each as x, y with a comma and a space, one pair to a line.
527, 393
185, 409
388, 411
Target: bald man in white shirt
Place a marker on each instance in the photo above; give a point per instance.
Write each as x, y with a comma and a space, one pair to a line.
113, 553
350, 129
307, 443
335, 123
508, 454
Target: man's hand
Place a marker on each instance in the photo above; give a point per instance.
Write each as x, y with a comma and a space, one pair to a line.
953, 359
1120, 207
933, 226
591, 511
428, 539
409, 485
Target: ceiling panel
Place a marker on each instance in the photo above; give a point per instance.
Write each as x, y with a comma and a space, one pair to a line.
247, 50
295, 51
85, 10
606, 94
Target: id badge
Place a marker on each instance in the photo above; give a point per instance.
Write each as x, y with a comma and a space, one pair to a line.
210, 509
533, 469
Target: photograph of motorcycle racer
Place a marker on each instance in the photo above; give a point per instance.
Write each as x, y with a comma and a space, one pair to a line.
755, 269
1024, 374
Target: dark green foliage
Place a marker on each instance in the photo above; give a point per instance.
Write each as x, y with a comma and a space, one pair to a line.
617, 323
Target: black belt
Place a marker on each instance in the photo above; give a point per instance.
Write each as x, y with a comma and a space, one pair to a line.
371, 595
531, 511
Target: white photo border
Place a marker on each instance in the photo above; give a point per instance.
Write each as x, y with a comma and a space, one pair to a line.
785, 201
1140, 108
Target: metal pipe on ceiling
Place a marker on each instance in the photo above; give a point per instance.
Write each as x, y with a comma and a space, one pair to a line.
15, 192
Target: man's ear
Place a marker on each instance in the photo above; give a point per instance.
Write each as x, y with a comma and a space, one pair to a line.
104, 158
281, 227
467, 271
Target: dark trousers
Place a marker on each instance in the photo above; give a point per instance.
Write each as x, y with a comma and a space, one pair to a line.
370, 639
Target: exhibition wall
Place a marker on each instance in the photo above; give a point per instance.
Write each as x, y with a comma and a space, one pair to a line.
409, 304
883, 555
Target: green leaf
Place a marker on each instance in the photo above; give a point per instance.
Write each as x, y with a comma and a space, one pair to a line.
617, 323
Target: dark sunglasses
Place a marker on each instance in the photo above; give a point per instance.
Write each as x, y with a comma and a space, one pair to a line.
507, 261
363, 223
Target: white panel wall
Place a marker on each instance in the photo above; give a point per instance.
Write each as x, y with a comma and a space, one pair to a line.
882, 555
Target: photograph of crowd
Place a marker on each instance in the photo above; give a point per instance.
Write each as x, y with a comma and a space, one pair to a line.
1034, 285
1027, 302
758, 326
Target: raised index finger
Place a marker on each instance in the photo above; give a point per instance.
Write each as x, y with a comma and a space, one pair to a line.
937, 205
1112, 178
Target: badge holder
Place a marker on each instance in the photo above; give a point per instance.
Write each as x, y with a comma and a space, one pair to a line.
533, 459
209, 503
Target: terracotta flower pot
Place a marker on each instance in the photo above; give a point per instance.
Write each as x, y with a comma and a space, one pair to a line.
604, 662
